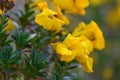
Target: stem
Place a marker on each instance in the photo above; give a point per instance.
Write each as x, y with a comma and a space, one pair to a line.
57, 68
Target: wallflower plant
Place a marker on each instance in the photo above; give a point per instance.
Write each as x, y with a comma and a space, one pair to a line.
39, 47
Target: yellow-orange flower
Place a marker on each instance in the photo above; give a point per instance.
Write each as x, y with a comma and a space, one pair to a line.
73, 6
92, 32
49, 20
75, 48
10, 27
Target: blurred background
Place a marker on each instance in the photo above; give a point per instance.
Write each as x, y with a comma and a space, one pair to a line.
107, 14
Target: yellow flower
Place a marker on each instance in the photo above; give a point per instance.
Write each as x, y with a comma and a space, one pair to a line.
107, 73
75, 48
92, 32
42, 5
10, 27
48, 19
68, 48
67, 54
72, 6
38, 5
113, 17
1, 12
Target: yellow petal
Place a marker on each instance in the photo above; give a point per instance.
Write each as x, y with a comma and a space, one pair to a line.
87, 44
82, 58
86, 62
82, 3
61, 16
72, 6
54, 45
1, 12
77, 30
65, 4
88, 65
92, 32
49, 12
10, 27
66, 54
99, 42
43, 20
81, 11
113, 17
62, 49
42, 5
68, 58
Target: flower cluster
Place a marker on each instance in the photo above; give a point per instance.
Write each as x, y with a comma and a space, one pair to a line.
78, 44
75, 48
36, 42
